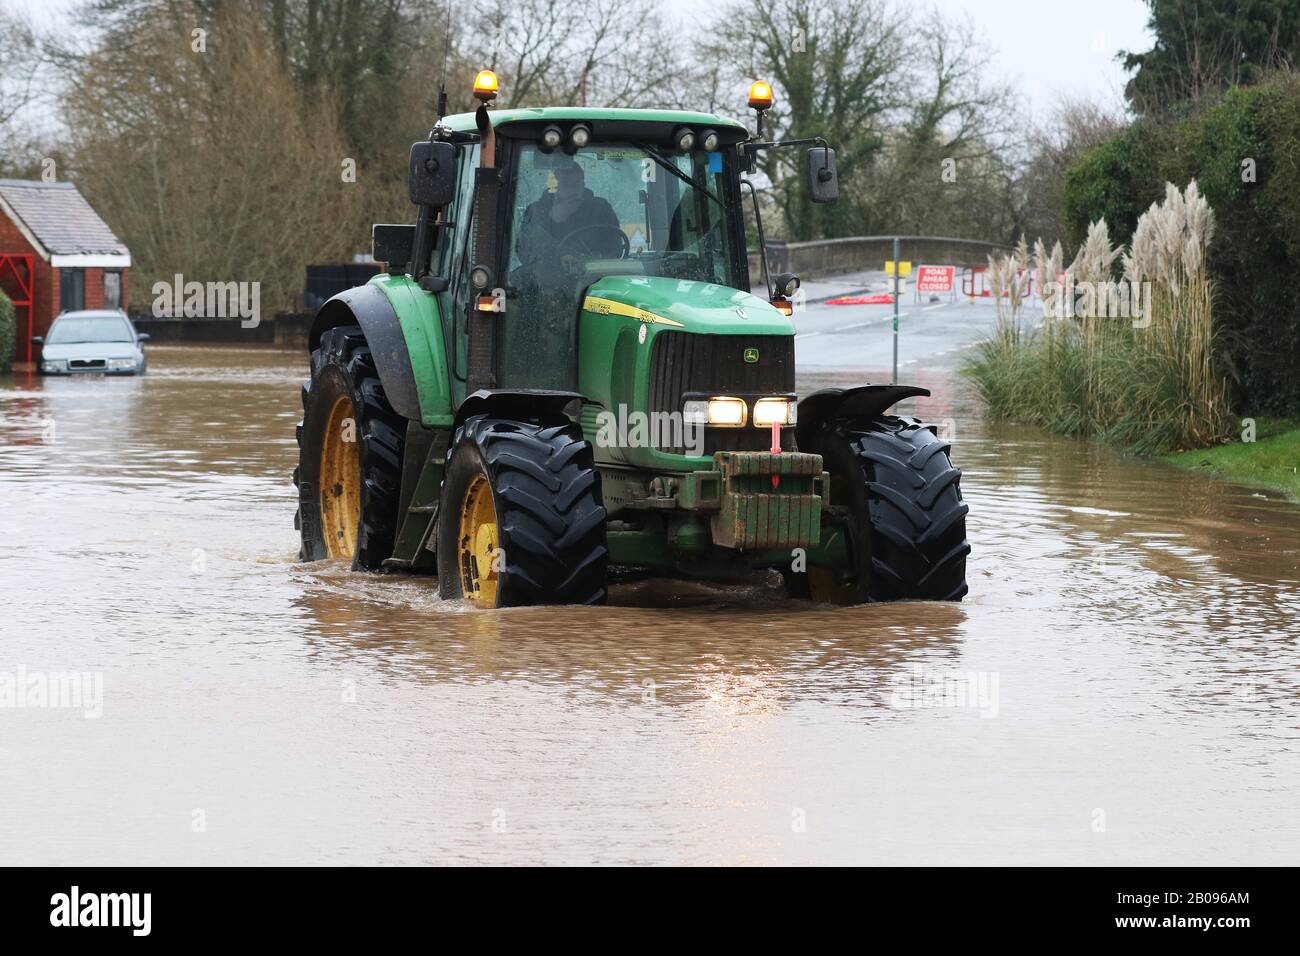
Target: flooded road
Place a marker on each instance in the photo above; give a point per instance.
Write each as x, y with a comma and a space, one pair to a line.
1119, 687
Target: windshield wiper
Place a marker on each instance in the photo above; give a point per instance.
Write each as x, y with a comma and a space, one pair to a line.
672, 168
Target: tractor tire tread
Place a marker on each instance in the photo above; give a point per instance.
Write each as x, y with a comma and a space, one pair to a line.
550, 514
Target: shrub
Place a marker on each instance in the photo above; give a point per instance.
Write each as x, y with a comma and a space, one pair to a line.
8, 334
1114, 182
1146, 381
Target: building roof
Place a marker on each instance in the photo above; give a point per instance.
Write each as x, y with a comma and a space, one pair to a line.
58, 217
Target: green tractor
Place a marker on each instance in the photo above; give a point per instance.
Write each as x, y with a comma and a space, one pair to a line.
562, 375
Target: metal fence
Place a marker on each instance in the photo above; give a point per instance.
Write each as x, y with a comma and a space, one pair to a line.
829, 257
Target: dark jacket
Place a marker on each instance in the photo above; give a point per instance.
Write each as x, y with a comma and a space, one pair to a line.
539, 234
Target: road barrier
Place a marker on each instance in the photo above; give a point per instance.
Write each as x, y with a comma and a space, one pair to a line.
974, 284
874, 298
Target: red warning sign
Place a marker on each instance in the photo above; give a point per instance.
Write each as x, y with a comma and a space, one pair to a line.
935, 278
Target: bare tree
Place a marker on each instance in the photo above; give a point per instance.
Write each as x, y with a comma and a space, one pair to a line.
571, 52
209, 162
946, 166
835, 67
1074, 126
21, 71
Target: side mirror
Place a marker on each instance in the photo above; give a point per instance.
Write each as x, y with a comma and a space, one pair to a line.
38, 340
823, 185
392, 244
142, 336
432, 178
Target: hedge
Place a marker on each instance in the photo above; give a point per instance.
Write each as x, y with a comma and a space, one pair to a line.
1255, 258
8, 334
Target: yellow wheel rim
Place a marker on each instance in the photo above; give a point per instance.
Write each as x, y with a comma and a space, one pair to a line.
823, 588
340, 481
477, 544
824, 585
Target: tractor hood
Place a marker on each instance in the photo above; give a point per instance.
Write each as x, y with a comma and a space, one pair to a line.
687, 305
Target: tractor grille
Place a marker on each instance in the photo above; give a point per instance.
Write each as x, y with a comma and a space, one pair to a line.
684, 362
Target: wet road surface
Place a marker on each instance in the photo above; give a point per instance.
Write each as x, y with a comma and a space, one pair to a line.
1119, 687
933, 330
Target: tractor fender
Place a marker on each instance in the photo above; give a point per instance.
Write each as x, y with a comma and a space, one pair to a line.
368, 307
861, 401
521, 403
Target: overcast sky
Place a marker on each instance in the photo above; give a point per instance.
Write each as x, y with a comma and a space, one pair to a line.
1048, 48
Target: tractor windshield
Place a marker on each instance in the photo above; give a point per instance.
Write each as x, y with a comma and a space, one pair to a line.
621, 209
610, 209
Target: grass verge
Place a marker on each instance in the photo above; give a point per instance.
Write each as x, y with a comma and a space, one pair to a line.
1271, 461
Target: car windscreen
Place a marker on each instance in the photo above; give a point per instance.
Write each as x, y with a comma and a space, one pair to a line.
102, 328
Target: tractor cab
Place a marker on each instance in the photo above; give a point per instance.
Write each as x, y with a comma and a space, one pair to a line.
573, 197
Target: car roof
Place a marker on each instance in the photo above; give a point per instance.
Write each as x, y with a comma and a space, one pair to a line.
93, 314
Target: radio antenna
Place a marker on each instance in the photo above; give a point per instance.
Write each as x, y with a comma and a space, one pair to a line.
446, 52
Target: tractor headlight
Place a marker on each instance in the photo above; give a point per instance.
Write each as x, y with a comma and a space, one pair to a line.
709, 140
580, 135
684, 139
721, 410
774, 411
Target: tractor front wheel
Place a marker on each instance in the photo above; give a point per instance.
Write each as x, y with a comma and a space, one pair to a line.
907, 520
520, 520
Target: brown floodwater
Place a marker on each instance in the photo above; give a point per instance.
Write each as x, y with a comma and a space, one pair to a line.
1119, 687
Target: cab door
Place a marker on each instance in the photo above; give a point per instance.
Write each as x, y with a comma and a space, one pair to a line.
452, 260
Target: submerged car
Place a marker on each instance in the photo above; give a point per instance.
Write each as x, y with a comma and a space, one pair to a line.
99, 340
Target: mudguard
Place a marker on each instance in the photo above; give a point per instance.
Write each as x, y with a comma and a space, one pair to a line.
515, 403
861, 401
369, 308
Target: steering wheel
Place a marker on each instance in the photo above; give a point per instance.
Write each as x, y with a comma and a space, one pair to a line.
562, 247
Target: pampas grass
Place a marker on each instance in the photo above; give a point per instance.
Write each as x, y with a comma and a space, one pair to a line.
1147, 381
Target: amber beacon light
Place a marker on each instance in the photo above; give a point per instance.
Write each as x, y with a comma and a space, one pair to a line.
486, 86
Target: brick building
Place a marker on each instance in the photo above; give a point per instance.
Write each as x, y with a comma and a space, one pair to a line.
56, 255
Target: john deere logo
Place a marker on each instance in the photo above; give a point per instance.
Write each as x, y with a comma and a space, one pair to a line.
751, 356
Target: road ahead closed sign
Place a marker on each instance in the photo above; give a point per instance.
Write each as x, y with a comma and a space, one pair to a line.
935, 278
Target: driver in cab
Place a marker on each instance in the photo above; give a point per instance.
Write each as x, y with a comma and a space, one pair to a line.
572, 221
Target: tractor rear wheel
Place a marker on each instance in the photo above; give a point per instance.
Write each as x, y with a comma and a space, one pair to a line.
349, 456
907, 532
521, 519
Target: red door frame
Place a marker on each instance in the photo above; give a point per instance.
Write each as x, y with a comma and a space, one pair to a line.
23, 281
